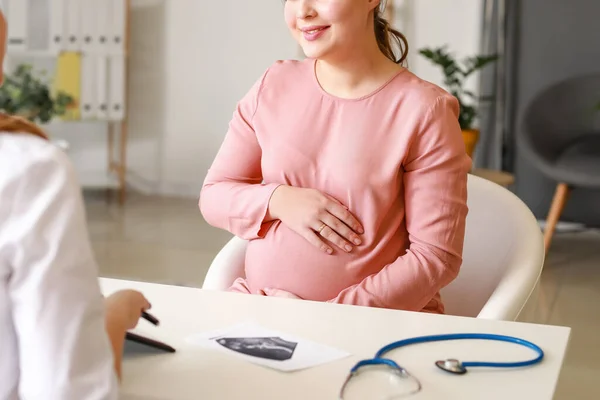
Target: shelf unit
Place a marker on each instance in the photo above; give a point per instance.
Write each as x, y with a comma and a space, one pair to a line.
117, 131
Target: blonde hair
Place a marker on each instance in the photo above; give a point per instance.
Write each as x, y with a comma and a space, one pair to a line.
16, 124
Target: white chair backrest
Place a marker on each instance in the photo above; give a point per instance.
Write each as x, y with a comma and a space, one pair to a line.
502, 259
503, 255
227, 266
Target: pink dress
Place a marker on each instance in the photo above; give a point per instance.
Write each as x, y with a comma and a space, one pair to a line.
395, 158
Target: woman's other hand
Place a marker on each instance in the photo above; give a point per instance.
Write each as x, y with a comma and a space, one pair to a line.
316, 217
279, 293
124, 309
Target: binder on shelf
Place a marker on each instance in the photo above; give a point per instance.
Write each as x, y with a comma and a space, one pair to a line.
73, 25
101, 88
68, 80
88, 25
118, 12
103, 17
116, 87
88, 87
57, 36
116, 91
16, 12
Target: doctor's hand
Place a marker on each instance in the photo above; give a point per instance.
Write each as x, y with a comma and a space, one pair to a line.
319, 218
279, 293
124, 309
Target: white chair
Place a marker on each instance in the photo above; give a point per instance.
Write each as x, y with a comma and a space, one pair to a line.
502, 260
227, 266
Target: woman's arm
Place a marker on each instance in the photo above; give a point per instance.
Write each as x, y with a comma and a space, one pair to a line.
233, 196
57, 306
435, 182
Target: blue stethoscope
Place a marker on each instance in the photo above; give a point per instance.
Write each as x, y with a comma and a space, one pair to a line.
451, 365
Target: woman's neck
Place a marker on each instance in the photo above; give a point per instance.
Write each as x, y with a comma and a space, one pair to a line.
357, 75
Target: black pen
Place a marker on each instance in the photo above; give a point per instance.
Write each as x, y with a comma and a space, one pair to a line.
150, 318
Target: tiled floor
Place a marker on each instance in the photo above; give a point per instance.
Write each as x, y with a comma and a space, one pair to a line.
152, 239
167, 241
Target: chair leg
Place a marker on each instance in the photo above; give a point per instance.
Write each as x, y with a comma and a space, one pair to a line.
558, 205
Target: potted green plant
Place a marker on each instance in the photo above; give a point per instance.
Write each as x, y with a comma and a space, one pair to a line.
27, 95
455, 76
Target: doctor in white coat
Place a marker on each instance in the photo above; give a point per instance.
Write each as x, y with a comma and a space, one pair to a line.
59, 338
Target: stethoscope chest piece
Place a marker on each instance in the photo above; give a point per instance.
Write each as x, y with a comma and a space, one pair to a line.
451, 365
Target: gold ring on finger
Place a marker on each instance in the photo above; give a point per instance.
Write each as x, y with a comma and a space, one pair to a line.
321, 228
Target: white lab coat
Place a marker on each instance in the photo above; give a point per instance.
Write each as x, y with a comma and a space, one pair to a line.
53, 344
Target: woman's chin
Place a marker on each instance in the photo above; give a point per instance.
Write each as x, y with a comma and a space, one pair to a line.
312, 51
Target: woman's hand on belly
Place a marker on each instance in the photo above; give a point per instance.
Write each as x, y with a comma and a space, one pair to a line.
317, 217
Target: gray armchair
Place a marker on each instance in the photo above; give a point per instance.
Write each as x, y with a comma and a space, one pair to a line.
562, 138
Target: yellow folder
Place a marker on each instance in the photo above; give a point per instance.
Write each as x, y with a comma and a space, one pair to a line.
68, 80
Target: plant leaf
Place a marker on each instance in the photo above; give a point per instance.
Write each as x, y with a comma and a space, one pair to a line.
470, 94
455, 76
24, 93
476, 63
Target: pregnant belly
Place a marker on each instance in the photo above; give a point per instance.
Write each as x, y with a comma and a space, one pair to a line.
285, 260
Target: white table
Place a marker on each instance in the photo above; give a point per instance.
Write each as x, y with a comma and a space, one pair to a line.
198, 374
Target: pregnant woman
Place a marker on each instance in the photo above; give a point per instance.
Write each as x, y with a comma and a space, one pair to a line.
346, 172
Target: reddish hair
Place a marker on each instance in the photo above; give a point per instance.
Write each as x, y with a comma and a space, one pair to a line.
15, 124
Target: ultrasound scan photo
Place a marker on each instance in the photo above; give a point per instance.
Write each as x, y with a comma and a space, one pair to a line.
267, 347
270, 348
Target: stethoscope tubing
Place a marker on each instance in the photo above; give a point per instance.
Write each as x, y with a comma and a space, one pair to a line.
464, 336
380, 359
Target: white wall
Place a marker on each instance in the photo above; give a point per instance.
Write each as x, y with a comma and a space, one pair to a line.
212, 57
456, 23
433, 23
147, 95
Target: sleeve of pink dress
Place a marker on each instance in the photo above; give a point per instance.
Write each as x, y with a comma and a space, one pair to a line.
435, 179
233, 196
